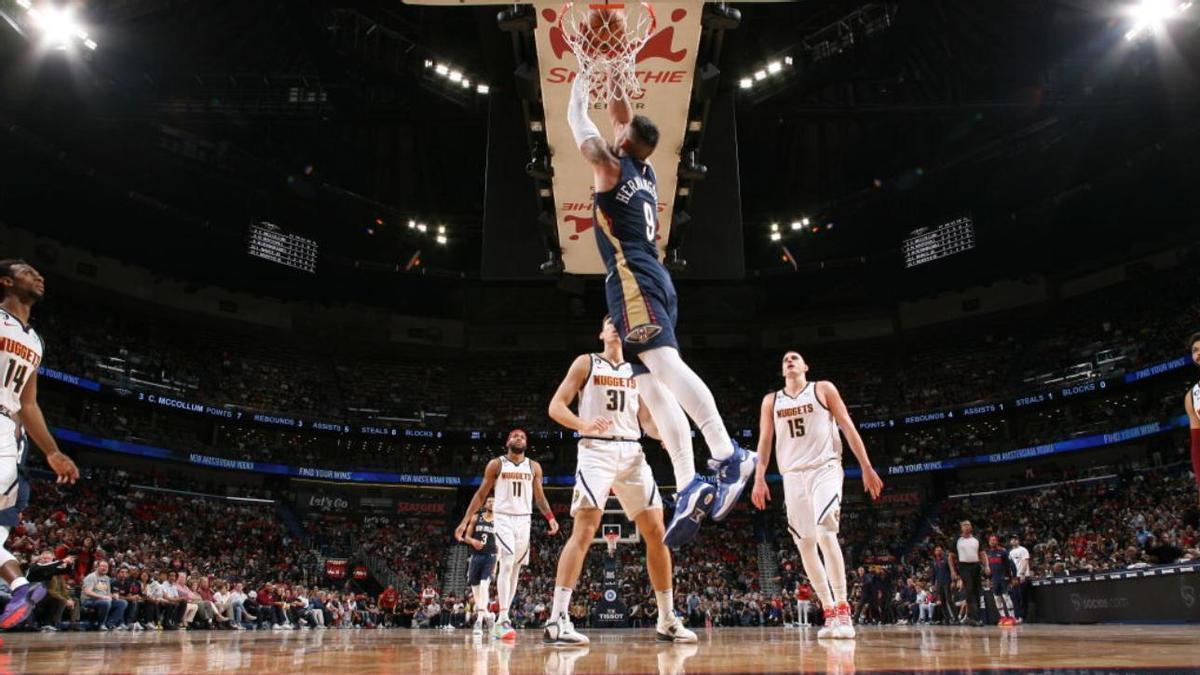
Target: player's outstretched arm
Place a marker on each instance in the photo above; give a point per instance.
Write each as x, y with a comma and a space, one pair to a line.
587, 136
35, 425
560, 404
539, 498
1194, 425
490, 472
760, 495
833, 401
619, 113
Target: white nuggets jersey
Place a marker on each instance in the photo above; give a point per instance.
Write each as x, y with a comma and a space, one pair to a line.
1196, 397
806, 436
610, 392
514, 488
20, 355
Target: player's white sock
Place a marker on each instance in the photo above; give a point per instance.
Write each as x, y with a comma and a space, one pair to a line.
17, 583
666, 606
691, 392
1000, 606
814, 569
562, 602
835, 565
672, 425
481, 595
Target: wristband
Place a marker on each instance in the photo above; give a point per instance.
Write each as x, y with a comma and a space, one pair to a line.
549, 517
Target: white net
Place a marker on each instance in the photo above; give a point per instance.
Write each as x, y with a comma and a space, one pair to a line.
606, 38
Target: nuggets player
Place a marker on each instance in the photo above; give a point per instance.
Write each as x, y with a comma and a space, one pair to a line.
481, 537
642, 302
609, 423
805, 417
1192, 403
518, 482
21, 351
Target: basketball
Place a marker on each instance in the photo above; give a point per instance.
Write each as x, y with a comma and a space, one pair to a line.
606, 29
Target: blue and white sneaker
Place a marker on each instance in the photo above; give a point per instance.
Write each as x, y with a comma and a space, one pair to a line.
692, 505
732, 476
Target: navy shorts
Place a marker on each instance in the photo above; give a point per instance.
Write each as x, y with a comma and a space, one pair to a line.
644, 308
480, 568
13, 502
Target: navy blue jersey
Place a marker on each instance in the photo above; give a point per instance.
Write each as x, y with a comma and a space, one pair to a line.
1001, 567
627, 218
485, 531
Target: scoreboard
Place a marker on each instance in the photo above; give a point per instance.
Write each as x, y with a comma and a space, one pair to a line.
926, 245
270, 242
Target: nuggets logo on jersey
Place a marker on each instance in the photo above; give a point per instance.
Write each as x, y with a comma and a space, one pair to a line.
20, 354
611, 392
806, 435
514, 488
1196, 397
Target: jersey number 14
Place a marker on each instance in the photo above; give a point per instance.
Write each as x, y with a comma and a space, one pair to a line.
15, 376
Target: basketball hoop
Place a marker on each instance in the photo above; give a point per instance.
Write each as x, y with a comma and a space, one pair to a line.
606, 38
611, 538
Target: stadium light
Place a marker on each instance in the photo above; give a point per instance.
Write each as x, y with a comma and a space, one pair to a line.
1150, 15
775, 236
57, 25
774, 67
421, 227
746, 83
796, 224
441, 69
760, 75
441, 239
455, 76
483, 89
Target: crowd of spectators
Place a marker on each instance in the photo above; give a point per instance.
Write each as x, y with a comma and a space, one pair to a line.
1089, 336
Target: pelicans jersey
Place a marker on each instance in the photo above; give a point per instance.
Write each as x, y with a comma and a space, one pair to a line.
641, 297
628, 217
485, 531
806, 435
611, 393
809, 452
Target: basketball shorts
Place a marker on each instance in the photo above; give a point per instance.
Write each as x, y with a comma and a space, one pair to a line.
512, 538
643, 306
14, 489
481, 568
812, 497
614, 466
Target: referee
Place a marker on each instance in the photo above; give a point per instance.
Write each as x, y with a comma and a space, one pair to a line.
966, 568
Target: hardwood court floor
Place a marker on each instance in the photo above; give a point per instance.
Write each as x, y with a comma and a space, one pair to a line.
732, 650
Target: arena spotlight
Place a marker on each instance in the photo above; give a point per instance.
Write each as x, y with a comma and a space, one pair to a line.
746, 83
441, 239
57, 26
482, 89
1150, 16
796, 224
776, 236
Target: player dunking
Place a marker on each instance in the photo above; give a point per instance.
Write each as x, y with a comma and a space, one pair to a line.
518, 482
805, 417
22, 350
1192, 403
481, 537
643, 305
609, 422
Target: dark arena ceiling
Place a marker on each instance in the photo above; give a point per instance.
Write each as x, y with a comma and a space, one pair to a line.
1066, 141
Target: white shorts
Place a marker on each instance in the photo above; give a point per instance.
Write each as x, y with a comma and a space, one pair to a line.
812, 497
512, 538
618, 467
